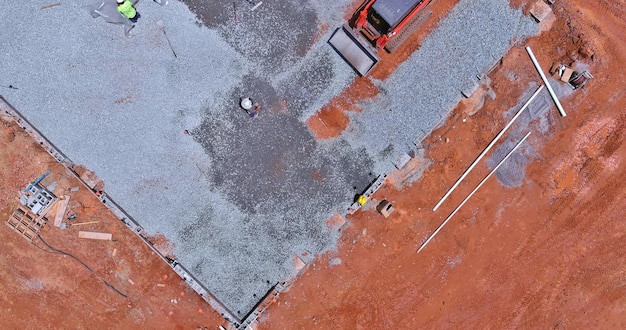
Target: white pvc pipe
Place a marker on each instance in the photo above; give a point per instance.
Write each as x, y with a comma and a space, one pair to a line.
256, 6
488, 148
545, 81
472, 193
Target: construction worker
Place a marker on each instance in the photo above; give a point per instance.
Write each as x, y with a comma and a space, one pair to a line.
251, 107
361, 200
126, 8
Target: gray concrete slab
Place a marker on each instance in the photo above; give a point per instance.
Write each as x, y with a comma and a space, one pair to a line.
239, 197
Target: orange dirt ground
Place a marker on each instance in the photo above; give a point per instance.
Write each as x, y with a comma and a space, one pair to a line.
550, 253
53, 291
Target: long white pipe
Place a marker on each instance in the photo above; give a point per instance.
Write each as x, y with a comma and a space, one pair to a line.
256, 6
488, 148
472, 193
545, 81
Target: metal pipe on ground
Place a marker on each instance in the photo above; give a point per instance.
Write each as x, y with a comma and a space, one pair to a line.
255, 5
482, 154
161, 26
472, 193
545, 81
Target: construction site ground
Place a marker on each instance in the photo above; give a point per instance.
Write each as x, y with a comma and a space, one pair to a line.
46, 289
547, 250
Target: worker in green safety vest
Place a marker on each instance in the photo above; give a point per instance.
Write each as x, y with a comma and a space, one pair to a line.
126, 8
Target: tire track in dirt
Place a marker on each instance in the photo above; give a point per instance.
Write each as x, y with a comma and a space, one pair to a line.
574, 241
575, 237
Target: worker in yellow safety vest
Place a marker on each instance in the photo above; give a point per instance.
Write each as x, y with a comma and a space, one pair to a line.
126, 8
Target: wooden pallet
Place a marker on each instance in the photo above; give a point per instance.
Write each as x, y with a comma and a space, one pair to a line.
26, 223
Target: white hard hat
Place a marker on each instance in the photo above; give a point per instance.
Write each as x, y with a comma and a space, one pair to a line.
246, 103
120, 1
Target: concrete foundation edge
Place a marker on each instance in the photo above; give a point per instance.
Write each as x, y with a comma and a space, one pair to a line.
10, 113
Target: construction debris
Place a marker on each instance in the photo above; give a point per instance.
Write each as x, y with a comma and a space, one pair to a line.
90, 179
298, 263
35, 203
37, 198
573, 78
385, 208
540, 11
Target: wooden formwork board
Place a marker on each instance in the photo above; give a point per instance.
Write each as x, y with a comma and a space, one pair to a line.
95, 235
61, 208
25, 223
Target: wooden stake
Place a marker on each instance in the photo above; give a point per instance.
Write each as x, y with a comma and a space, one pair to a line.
471, 194
458, 181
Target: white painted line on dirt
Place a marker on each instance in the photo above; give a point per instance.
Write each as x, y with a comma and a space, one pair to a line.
472, 193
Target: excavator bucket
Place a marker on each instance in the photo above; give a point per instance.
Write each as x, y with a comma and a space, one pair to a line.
360, 56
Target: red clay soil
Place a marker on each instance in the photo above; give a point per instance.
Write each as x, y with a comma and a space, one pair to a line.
332, 119
548, 254
42, 289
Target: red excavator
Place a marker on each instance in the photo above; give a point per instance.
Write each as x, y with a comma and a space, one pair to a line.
378, 24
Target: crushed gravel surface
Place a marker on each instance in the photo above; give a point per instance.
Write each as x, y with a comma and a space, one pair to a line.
239, 197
